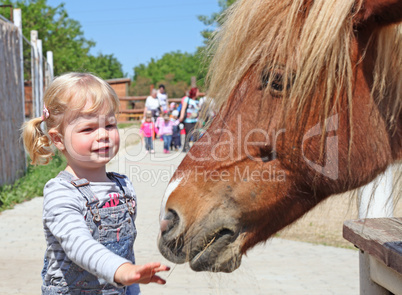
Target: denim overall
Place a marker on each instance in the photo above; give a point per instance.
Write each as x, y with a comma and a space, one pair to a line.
113, 227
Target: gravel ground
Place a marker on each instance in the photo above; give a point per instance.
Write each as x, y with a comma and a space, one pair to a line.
323, 225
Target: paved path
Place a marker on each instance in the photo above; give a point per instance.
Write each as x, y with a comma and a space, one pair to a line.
278, 267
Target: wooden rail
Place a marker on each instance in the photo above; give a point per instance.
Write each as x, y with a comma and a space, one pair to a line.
380, 242
144, 98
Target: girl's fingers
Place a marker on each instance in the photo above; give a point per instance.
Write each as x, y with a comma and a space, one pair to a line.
156, 266
158, 280
162, 268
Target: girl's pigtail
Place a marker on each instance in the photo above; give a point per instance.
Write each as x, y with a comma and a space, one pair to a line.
37, 143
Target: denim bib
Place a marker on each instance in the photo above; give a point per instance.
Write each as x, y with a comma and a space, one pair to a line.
113, 227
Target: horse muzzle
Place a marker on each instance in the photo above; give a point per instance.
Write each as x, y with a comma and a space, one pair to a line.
207, 246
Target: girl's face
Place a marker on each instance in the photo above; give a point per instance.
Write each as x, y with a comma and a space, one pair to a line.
148, 119
91, 140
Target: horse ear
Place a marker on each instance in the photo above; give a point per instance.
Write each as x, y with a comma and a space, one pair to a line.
379, 12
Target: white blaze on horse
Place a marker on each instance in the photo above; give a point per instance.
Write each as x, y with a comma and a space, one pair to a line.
309, 96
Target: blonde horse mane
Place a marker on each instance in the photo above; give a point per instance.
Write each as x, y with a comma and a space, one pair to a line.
310, 41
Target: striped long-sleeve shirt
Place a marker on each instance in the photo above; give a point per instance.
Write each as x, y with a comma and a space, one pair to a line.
67, 235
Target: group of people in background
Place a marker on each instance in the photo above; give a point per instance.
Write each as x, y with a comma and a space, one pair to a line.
167, 121
166, 127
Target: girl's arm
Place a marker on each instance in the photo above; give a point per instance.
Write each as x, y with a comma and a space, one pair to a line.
160, 130
183, 110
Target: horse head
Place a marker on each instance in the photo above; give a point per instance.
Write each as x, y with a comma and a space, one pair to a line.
309, 98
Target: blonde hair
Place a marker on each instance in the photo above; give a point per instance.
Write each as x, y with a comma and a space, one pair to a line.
311, 41
65, 99
148, 114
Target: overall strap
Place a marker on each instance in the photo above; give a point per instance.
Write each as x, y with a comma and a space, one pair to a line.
83, 187
120, 179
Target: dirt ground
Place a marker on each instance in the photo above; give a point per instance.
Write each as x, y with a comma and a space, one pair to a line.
323, 225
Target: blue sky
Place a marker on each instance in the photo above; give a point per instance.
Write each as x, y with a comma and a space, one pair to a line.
136, 31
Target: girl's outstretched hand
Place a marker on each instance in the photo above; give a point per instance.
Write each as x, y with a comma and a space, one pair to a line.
128, 274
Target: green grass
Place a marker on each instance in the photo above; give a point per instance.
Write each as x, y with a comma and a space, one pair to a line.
127, 125
31, 184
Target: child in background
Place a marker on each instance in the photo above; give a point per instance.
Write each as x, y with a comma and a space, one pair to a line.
148, 131
166, 131
158, 124
172, 107
85, 254
176, 137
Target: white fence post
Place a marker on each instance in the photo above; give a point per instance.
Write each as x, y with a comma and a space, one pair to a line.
49, 68
40, 75
34, 74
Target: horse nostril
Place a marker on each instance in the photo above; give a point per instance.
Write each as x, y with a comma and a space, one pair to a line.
170, 220
164, 225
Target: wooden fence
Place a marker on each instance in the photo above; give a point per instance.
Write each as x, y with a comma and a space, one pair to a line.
12, 155
132, 107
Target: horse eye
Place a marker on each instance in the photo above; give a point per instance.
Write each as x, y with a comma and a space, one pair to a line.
277, 83
274, 81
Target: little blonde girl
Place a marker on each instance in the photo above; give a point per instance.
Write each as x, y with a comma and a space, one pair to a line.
88, 213
148, 131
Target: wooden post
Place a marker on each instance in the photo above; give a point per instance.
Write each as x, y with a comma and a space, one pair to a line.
193, 82
18, 23
375, 201
367, 286
34, 74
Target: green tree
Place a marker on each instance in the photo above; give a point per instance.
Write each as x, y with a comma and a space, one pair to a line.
106, 66
174, 70
61, 35
215, 20
140, 86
